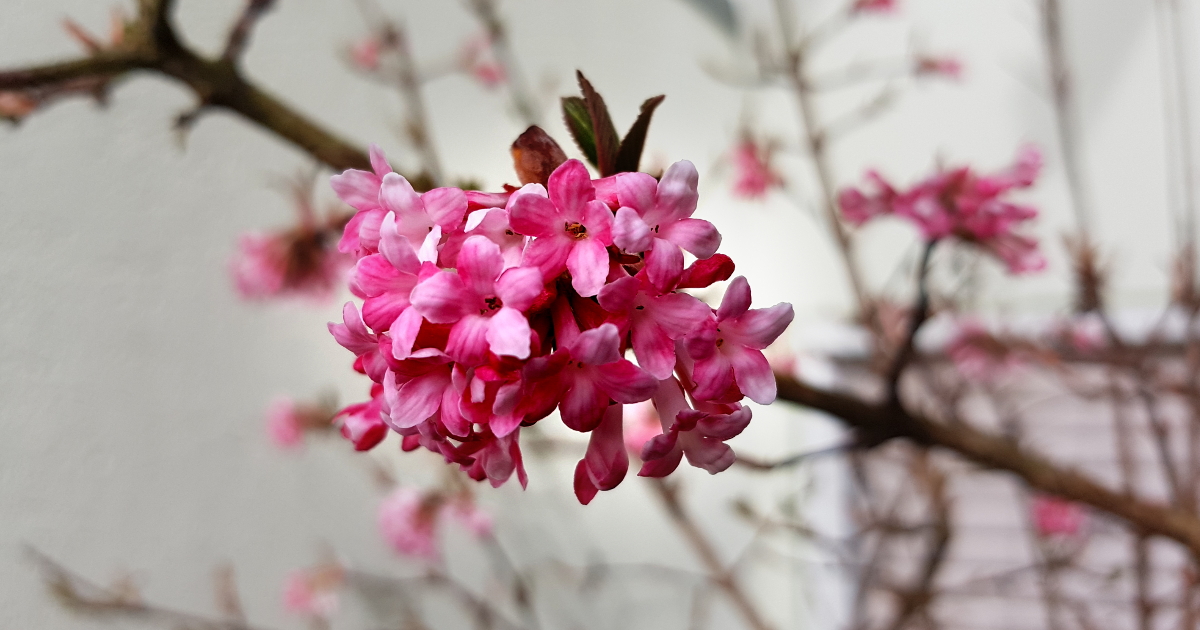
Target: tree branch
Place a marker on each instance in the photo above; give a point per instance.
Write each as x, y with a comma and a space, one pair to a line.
876, 424
152, 45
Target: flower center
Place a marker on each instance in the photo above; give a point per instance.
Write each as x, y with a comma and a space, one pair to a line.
493, 304
576, 230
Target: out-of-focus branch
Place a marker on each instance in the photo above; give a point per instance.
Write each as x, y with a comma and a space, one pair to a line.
79, 594
239, 35
522, 97
876, 424
718, 573
1065, 113
151, 44
408, 82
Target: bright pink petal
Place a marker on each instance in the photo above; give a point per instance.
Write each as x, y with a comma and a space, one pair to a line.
508, 333
404, 333
630, 232
760, 327
697, 236
588, 264
443, 298
519, 287
636, 190
352, 333
657, 468
753, 374
532, 214
618, 296
664, 264
625, 382
679, 313
606, 459
599, 221
479, 264
570, 188
654, 348
736, 300
468, 343
585, 490
419, 398
446, 206
549, 255
597, 346
713, 377
583, 403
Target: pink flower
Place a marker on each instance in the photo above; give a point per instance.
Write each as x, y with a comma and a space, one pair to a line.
655, 217
699, 434
483, 301
728, 351
641, 425
572, 229
295, 262
752, 168
365, 53
979, 355
312, 592
470, 329
477, 60
284, 424
962, 204
1053, 516
409, 520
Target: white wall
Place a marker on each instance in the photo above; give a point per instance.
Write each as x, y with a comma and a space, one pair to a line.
132, 380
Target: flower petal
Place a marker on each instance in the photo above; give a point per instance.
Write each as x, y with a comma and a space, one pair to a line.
404, 333
397, 195
697, 236
625, 382
479, 264
570, 188
446, 206
468, 343
664, 264
736, 300
753, 374
519, 287
588, 264
597, 346
677, 196
442, 298
359, 189
508, 333
760, 327
532, 214
630, 232
419, 398
548, 254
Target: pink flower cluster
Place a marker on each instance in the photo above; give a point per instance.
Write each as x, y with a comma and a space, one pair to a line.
485, 312
409, 520
752, 170
962, 204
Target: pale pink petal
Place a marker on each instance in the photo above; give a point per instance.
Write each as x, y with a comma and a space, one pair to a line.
443, 298
359, 189
588, 264
397, 195
597, 346
429, 247
352, 334
664, 264
519, 287
753, 374
625, 382
697, 236
724, 426
630, 232
736, 300
508, 333
397, 249
712, 455
679, 313
379, 161
479, 264
677, 194
570, 188
446, 206
468, 342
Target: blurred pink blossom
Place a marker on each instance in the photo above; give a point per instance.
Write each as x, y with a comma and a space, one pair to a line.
641, 425
284, 424
979, 355
294, 262
1053, 516
476, 58
874, 6
312, 592
365, 53
753, 175
409, 520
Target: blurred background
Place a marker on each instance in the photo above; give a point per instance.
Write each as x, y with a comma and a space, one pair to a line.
134, 380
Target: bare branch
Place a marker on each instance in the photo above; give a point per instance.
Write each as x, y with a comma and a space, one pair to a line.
239, 35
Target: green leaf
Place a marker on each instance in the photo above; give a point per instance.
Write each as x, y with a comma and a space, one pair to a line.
630, 154
719, 12
579, 123
605, 133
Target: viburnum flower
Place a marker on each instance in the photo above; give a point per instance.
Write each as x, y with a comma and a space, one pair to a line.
943, 66
486, 312
313, 592
753, 175
979, 355
365, 53
961, 204
294, 262
874, 6
288, 421
1053, 517
409, 520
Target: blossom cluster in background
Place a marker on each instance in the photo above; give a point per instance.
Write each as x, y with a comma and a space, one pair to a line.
959, 203
484, 312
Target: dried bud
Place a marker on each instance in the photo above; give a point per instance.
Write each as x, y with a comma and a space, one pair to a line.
536, 155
